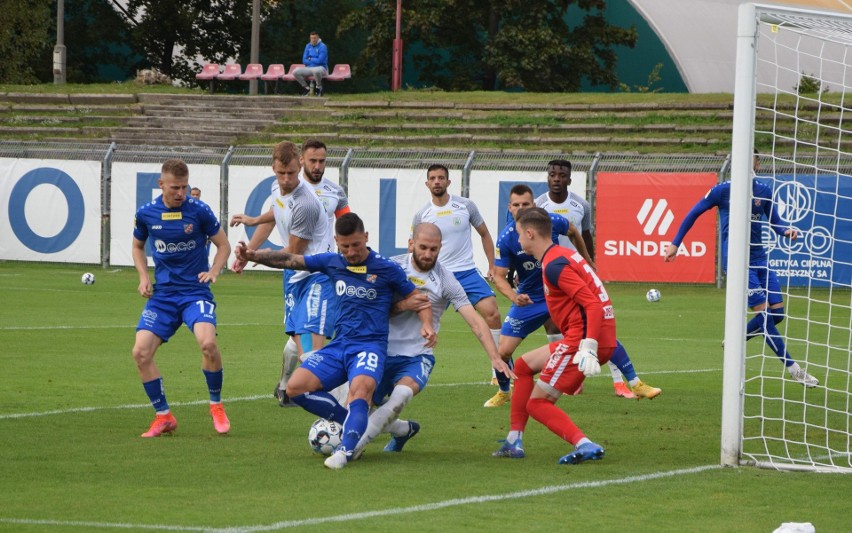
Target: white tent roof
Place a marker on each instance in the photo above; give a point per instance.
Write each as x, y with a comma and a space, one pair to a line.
700, 36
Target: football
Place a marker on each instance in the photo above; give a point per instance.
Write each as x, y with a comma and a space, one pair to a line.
653, 295
324, 436
88, 278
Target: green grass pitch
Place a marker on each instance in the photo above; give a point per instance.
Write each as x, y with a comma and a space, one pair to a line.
72, 409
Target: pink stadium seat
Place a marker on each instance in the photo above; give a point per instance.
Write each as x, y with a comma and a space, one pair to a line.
289, 76
208, 72
341, 72
253, 72
273, 73
231, 72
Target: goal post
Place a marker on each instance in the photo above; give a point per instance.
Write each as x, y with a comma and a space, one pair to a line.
793, 93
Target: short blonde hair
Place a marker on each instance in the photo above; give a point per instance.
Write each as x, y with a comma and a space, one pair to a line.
285, 151
175, 167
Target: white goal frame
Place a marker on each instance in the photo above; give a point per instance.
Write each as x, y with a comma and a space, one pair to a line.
750, 18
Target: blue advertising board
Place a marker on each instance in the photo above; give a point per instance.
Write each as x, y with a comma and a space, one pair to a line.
820, 208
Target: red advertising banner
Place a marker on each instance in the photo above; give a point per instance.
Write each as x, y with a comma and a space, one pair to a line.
637, 216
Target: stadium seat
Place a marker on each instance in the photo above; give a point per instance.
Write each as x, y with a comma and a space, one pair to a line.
209, 72
273, 73
231, 72
253, 72
341, 72
289, 76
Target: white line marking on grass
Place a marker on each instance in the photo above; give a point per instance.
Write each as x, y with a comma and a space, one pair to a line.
10, 416
393, 511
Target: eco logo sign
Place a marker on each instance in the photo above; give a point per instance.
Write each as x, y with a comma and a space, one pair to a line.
655, 216
795, 203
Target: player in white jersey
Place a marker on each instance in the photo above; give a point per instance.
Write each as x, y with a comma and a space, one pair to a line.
558, 199
302, 225
323, 303
454, 216
409, 364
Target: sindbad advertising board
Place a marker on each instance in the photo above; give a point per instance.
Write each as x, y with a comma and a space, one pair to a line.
637, 215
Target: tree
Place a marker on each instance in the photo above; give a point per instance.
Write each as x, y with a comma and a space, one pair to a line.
172, 35
25, 33
539, 45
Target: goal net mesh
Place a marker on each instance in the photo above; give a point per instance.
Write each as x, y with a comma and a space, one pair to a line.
802, 113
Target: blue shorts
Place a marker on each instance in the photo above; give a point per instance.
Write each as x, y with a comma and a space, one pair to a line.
165, 312
474, 285
289, 300
340, 361
763, 285
521, 321
418, 368
315, 309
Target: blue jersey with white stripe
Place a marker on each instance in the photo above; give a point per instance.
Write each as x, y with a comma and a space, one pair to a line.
179, 241
761, 211
510, 255
365, 293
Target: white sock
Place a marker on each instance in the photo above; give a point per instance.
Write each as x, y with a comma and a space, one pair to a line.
616, 373
513, 436
582, 441
633, 382
398, 428
554, 337
386, 413
289, 362
495, 334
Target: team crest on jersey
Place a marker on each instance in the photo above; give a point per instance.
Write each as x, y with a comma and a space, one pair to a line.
187, 228
371, 278
171, 216
416, 281
457, 221
357, 269
546, 291
757, 202
496, 253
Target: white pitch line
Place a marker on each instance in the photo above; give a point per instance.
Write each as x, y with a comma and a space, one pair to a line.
393, 511
10, 416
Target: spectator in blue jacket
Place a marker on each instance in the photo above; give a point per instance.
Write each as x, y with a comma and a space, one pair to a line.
315, 59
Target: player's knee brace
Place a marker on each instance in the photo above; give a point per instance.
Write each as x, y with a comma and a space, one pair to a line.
776, 314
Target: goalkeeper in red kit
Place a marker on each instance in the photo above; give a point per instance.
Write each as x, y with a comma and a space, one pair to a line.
580, 307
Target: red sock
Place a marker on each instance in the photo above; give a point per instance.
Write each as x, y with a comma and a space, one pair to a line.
555, 419
520, 396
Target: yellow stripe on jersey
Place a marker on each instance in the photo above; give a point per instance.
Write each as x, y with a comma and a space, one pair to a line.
444, 213
171, 216
357, 269
279, 202
417, 281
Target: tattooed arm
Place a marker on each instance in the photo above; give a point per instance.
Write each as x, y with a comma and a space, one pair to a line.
271, 258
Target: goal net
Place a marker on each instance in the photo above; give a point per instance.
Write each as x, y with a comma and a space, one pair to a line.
793, 105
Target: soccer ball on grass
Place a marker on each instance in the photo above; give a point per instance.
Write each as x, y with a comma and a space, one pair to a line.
88, 278
324, 436
653, 295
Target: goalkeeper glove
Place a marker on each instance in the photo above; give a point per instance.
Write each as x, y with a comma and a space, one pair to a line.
586, 358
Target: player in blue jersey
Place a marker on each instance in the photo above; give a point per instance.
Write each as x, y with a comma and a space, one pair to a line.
178, 229
409, 363
529, 309
763, 285
454, 216
366, 284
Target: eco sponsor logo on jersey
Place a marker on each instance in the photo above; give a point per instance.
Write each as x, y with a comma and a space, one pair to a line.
343, 289
655, 218
173, 247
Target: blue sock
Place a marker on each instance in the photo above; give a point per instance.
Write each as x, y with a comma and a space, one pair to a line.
623, 362
503, 380
214, 384
776, 344
321, 404
155, 392
754, 327
355, 424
